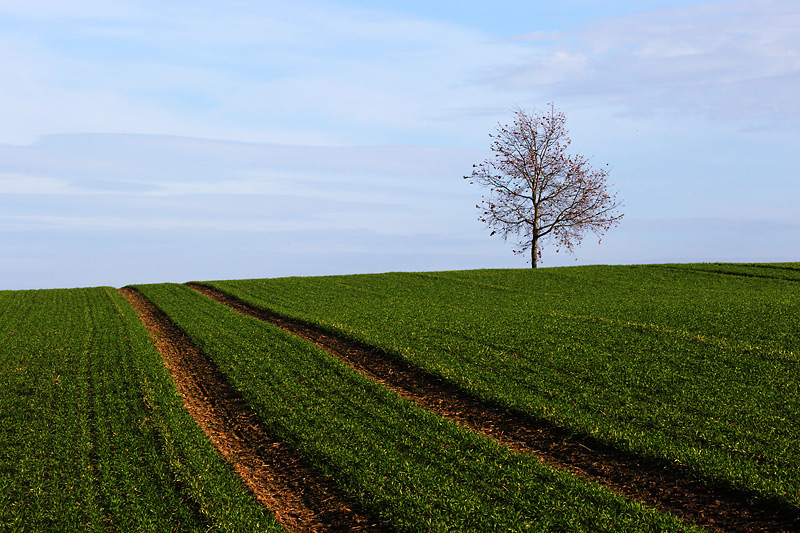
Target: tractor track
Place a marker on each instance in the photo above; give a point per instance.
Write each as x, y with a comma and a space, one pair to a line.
657, 483
300, 498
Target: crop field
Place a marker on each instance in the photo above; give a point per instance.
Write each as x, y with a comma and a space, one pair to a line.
415, 470
94, 435
696, 364
691, 367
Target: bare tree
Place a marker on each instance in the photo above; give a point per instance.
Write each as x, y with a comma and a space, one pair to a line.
537, 190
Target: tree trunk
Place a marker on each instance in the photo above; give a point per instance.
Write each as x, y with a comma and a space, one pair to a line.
534, 254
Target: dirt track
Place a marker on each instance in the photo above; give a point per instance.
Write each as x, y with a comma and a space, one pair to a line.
655, 483
301, 499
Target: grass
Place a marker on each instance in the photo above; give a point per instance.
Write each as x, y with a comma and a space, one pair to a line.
693, 364
417, 471
94, 435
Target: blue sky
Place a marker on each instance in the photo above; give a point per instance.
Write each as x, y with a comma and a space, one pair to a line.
147, 141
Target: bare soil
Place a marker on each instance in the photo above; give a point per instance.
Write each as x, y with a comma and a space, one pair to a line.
299, 497
657, 483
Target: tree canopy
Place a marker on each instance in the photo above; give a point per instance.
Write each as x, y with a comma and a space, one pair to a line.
537, 190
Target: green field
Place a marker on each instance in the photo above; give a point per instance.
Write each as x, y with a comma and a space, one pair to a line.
415, 470
695, 365
94, 435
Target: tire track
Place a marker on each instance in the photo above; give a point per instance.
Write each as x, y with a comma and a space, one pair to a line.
300, 498
657, 483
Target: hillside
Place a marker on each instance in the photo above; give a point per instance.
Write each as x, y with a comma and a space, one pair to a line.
466, 400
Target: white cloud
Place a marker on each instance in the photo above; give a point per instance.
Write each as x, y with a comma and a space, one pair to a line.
294, 73
322, 73
134, 181
22, 184
732, 60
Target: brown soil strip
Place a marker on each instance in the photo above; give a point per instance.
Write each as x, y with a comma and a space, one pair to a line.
660, 484
300, 498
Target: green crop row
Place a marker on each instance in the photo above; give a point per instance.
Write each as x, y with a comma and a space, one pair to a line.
694, 364
415, 470
94, 434
781, 271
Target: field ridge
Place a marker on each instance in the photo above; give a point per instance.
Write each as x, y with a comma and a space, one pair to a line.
658, 483
300, 498
747, 271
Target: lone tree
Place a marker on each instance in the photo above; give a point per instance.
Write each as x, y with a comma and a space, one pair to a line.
537, 190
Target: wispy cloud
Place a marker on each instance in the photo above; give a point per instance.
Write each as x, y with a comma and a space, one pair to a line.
72, 181
729, 61
295, 73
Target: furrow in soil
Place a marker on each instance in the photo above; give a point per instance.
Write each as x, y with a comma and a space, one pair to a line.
658, 483
300, 498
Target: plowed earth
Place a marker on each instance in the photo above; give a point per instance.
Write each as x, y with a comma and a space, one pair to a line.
300, 498
663, 485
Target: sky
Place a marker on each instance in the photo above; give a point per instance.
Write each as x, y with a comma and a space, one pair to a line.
145, 141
